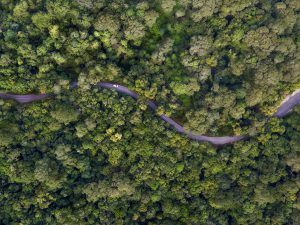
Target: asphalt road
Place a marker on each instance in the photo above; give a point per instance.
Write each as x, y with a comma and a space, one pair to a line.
286, 106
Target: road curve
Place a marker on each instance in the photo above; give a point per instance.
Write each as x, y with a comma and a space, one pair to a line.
286, 106
175, 125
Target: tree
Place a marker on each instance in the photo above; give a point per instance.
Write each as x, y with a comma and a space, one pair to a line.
65, 114
203, 9
8, 131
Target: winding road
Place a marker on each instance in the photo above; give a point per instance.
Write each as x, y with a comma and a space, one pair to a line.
285, 107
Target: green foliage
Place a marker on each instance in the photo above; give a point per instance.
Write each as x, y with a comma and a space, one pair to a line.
65, 114
92, 156
149, 175
7, 133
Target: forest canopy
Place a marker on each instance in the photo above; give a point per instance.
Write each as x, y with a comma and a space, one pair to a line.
94, 156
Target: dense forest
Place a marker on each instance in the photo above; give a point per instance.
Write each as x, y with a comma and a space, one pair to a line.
94, 156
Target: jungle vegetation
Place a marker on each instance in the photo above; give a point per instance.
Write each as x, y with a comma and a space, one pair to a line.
93, 156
